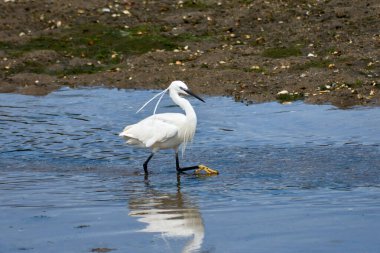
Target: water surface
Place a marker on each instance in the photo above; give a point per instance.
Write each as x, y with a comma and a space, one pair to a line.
293, 178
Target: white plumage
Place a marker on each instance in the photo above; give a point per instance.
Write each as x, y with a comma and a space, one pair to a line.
165, 130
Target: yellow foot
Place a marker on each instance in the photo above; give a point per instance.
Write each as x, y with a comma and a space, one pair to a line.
206, 169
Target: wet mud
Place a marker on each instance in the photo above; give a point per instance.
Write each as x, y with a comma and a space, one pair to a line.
322, 52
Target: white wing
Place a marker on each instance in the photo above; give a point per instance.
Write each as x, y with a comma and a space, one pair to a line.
154, 129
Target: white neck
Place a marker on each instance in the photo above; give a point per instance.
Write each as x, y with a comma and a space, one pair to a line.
184, 104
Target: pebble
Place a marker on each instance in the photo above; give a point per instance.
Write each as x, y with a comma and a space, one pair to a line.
127, 12
331, 66
283, 92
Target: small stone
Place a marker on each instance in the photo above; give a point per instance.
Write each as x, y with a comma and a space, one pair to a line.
106, 10
21, 34
311, 55
372, 92
331, 66
178, 62
283, 92
127, 12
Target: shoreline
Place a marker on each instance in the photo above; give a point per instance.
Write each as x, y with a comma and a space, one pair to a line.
320, 52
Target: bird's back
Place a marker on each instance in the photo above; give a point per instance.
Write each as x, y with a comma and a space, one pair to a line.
159, 131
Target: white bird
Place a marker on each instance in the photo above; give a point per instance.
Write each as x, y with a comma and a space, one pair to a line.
166, 130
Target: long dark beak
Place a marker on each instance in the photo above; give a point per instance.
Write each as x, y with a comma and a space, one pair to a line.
192, 94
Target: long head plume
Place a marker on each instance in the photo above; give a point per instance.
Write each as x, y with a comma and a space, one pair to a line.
162, 93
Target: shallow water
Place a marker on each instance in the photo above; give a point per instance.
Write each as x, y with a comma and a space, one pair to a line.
293, 178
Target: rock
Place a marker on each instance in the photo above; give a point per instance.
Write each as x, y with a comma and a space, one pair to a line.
342, 12
283, 92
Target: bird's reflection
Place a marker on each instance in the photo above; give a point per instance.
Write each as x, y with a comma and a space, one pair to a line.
171, 214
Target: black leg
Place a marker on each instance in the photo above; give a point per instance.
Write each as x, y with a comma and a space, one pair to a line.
146, 163
179, 169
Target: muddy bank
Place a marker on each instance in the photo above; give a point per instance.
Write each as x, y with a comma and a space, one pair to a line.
319, 51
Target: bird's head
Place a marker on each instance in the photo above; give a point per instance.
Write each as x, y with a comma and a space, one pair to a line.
182, 89
179, 87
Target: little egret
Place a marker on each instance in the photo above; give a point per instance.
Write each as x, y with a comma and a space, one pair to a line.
167, 130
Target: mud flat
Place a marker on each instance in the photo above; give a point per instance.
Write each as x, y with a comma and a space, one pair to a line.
317, 51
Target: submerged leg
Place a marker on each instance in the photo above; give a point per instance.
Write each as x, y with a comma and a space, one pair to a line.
146, 163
